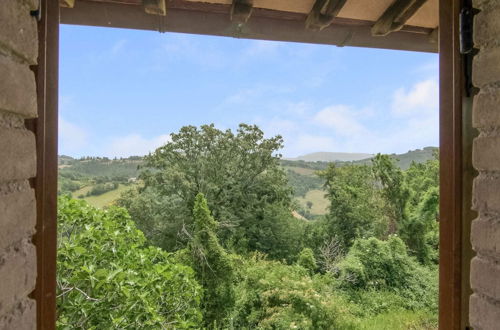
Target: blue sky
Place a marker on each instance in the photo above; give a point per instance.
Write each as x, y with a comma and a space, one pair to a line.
122, 92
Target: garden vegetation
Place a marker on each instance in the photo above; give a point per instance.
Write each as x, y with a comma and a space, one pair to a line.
208, 240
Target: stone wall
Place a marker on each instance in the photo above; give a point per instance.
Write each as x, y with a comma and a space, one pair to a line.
484, 309
18, 50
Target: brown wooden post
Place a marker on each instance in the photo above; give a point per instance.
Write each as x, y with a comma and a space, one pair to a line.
456, 174
45, 183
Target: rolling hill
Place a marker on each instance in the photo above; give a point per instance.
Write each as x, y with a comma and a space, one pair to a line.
79, 176
331, 157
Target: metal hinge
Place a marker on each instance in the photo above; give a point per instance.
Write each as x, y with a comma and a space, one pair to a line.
38, 12
466, 26
466, 29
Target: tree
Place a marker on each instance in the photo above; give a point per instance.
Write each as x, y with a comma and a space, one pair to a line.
355, 205
213, 266
238, 173
107, 278
394, 189
306, 259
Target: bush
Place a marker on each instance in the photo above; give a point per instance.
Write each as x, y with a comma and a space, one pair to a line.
102, 188
306, 259
375, 265
107, 278
271, 295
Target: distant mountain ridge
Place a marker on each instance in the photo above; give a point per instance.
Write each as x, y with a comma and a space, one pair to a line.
332, 157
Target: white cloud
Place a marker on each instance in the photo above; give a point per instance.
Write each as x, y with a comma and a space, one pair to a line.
135, 145
72, 138
341, 118
421, 98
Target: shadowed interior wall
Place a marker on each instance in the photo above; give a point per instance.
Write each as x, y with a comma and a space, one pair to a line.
18, 101
484, 309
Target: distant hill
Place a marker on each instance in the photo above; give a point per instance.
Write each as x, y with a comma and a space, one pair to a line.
79, 176
404, 160
332, 157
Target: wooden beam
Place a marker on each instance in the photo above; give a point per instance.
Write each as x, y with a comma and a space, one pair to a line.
45, 183
155, 7
323, 13
396, 16
241, 10
67, 3
456, 173
264, 25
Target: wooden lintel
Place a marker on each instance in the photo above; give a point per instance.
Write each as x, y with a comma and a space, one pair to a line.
184, 17
155, 7
241, 10
396, 16
67, 3
323, 13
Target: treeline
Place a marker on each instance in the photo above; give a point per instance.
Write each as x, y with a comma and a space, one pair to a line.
216, 209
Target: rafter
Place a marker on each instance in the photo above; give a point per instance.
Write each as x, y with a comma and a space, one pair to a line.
396, 16
241, 10
155, 7
323, 13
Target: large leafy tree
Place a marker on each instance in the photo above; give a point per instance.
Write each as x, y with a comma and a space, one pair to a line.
239, 174
355, 204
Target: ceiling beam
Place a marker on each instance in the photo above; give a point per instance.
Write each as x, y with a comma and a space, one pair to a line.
155, 7
213, 19
241, 10
323, 13
396, 16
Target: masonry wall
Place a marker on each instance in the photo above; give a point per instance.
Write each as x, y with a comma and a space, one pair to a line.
18, 50
484, 309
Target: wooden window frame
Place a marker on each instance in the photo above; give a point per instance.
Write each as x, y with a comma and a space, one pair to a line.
455, 155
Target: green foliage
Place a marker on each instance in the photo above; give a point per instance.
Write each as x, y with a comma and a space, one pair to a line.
271, 295
101, 188
213, 266
238, 173
355, 209
66, 185
307, 260
108, 279
301, 184
372, 264
394, 189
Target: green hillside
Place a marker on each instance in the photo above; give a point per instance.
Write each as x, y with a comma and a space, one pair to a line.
82, 177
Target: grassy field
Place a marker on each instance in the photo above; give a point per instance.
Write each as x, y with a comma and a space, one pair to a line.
317, 197
300, 170
102, 200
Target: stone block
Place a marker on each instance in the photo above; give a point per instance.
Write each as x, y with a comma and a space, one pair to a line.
486, 153
485, 277
486, 109
17, 88
483, 314
17, 154
486, 67
485, 236
18, 30
17, 216
17, 274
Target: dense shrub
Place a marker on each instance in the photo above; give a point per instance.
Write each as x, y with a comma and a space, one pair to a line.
108, 279
271, 295
102, 188
373, 265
